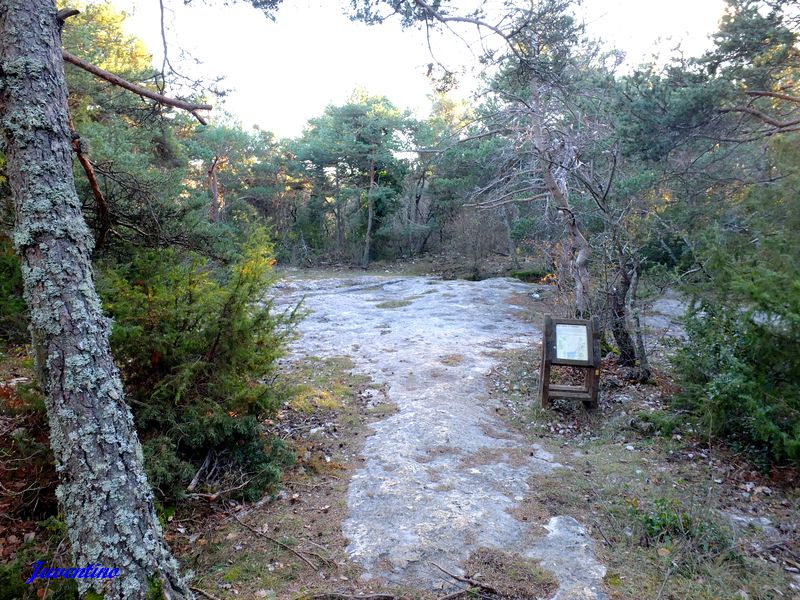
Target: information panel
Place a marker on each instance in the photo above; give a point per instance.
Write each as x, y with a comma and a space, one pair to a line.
572, 342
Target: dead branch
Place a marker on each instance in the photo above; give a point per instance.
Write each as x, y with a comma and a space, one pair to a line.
139, 90
488, 204
64, 14
196, 478
472, 582
103, 212
203, 593
276, 542
444, 19
778, 95
761, 116
213, 497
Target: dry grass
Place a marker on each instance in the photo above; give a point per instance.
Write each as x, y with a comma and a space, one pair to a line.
511, 576
452, 360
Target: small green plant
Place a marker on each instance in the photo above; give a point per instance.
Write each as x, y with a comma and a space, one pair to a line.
663, 422
530, 275
667, 522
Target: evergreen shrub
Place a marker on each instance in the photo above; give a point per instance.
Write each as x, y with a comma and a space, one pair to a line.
198, 351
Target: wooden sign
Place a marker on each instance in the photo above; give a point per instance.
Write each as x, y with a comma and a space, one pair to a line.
574, 343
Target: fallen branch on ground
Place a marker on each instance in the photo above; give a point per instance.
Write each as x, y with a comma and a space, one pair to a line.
477, 584
300, 555
203, 593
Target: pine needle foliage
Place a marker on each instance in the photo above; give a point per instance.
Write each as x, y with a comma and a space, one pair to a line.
198, 353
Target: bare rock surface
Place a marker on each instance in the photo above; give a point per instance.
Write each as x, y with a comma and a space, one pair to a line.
441, 476
663, 316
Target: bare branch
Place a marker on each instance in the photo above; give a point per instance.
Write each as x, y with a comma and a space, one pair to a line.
449, 19
779, 95
189, 107
762, 116
498, 203
103, 212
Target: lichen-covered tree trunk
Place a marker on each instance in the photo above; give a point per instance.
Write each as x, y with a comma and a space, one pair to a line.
103, 489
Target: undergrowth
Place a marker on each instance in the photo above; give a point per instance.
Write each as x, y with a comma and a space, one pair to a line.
198, 347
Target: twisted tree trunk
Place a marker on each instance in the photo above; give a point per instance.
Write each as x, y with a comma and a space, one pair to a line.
103, 489
554, 175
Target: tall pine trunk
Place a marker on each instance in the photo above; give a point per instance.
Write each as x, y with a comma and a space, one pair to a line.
103, 490
370, 216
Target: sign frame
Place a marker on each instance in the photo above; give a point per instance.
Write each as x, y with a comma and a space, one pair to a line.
588, 392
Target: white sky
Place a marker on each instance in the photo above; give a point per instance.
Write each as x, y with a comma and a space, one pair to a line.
288, 71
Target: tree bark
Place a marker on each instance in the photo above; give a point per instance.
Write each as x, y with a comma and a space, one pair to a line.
644, 371
370, 216
556, 186
103, 490
619, 317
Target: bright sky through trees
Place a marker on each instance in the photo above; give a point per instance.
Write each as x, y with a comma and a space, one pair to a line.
283, 73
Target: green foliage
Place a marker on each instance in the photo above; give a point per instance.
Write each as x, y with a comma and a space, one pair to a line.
666, 521
13, 312
349, 158
740, 371
198, 354
741, 363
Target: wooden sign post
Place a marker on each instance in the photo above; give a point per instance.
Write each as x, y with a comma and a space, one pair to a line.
574, 343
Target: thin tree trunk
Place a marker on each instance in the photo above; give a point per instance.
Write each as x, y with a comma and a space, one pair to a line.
215, 205
370, 216
633, 308
103, 489
511, 244
338, 211
619, 317
557, 188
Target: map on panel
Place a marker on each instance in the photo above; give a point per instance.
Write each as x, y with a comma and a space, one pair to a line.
572, 342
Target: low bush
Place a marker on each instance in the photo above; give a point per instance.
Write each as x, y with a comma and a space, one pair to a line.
197, 348
739, 371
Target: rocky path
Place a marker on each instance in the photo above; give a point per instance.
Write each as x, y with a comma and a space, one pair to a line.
443, 475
